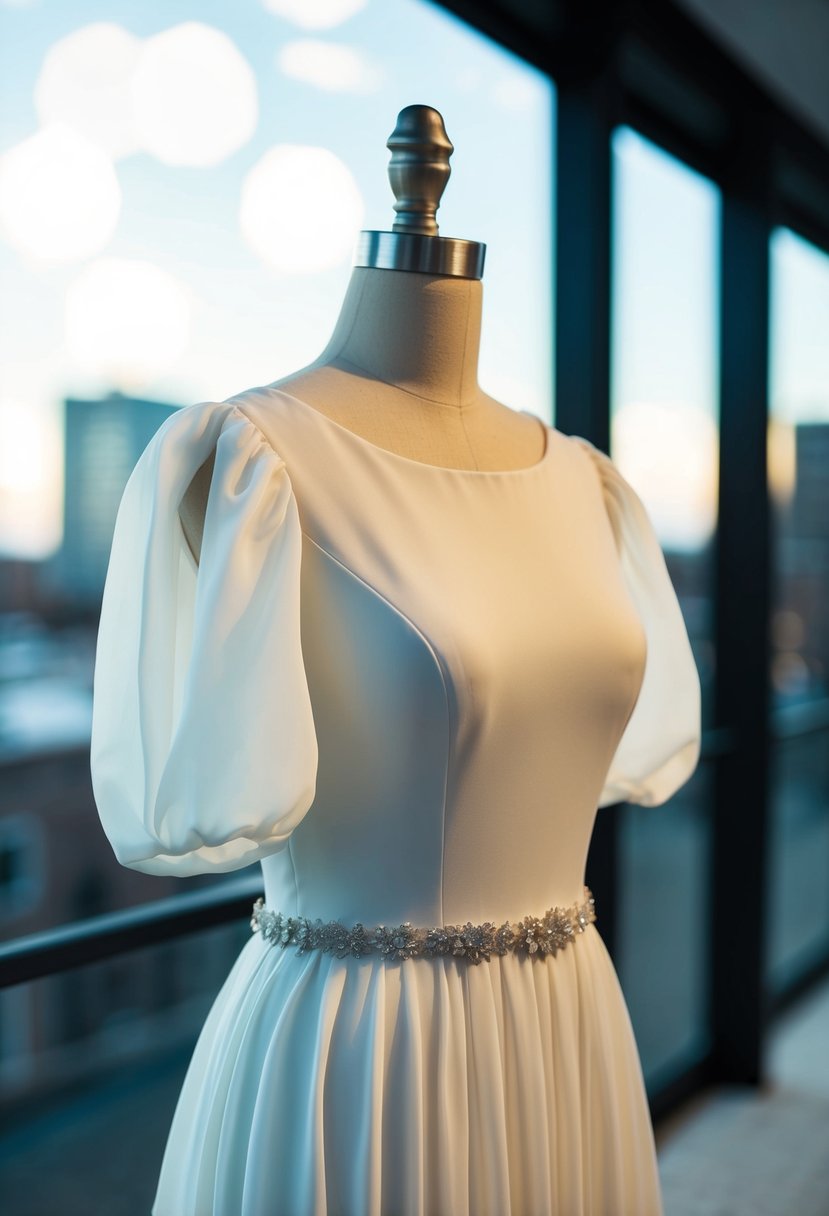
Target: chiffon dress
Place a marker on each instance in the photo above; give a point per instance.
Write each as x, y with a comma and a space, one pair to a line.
405, 690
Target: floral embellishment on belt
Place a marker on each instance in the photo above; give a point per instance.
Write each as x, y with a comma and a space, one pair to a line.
534, 936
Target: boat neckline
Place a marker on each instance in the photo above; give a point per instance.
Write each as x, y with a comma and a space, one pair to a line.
396, 457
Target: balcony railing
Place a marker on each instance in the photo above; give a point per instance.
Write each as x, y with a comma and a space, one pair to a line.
100, 937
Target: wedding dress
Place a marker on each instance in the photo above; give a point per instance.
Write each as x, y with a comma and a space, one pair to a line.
405, 689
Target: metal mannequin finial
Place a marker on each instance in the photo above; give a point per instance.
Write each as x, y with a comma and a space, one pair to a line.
419, 168
418, 172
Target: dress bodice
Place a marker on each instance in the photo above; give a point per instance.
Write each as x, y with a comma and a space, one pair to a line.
472, 656
404, 688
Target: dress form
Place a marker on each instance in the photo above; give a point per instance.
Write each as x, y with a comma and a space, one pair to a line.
400, 369
401, 366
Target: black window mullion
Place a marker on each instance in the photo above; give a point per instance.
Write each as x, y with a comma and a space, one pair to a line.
742, 606
583, 219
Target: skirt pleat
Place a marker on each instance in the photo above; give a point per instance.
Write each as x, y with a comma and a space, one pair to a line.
357, 1087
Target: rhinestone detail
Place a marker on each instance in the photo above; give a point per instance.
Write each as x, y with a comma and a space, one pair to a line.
534, 936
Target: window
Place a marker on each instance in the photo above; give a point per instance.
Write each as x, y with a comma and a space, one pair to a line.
798, 460
664, 425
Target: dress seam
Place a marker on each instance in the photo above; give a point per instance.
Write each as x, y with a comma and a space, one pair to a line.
438, 664
404, 616
277, 455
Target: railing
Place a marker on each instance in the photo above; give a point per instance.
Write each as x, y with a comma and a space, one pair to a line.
99, 937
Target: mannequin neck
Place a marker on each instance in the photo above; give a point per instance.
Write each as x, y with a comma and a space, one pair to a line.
418, 332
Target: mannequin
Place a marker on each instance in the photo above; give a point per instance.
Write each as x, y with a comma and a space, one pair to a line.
406, 683
400, 368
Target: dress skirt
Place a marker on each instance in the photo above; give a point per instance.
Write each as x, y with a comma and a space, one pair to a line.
419, 1087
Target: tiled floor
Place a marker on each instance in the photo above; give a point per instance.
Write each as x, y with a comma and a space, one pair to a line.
749, 1153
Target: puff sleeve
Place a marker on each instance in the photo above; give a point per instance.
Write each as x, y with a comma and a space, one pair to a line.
203, 749
660, 745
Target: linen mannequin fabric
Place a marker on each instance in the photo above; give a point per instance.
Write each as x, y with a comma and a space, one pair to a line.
405, 690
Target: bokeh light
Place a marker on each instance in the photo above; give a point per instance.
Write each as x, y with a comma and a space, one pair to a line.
126, 321
669, 454
85, 82
315, 14
194, 96
31, 479
332, 66
59, 196
300, 209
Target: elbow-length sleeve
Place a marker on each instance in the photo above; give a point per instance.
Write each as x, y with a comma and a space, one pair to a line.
660, 745
203, 749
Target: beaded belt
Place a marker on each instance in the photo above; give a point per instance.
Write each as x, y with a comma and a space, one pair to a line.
534, 936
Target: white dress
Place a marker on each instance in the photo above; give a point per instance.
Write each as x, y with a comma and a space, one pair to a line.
405, 690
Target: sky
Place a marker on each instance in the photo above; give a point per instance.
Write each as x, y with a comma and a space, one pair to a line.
181, 188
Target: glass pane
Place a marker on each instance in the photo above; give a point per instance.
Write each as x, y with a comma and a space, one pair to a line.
798, 923
91, 1064
798, 457
664, 929
664, 439
152, 256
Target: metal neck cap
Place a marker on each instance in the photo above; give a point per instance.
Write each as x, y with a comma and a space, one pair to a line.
418, 172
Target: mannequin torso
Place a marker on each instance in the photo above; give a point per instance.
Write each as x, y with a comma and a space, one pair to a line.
400, 370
